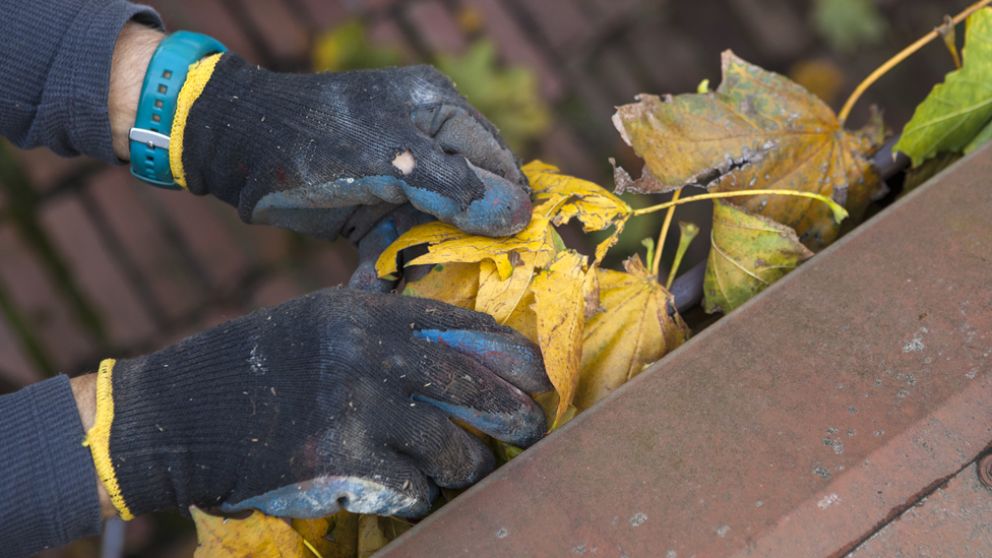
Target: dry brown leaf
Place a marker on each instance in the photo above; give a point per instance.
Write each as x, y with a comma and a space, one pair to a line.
757, 130
632, 329
256, 535
559, 306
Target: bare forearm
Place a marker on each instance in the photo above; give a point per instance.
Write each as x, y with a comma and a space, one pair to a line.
84, 392
56, 57
134, 50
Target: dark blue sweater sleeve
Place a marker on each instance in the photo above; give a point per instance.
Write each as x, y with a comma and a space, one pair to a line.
55, 71
48, 493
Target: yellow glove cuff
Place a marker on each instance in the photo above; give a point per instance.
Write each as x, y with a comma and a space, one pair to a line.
98, 438
197, 78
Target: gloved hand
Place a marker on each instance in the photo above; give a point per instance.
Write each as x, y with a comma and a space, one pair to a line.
338, 398
304, 151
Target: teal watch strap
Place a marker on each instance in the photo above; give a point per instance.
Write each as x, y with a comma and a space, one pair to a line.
166, 73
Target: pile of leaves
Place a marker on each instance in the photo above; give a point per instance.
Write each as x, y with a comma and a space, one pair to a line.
782, 171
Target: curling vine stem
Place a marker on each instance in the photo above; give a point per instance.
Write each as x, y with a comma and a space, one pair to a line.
839, 212
902, 55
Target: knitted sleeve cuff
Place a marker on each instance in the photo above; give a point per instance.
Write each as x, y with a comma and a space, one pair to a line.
86, 57
48, 493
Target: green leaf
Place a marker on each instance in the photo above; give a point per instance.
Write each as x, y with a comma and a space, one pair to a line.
981, 139
748, 253
958, 110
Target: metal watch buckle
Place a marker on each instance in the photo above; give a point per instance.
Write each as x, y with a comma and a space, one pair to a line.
149, 138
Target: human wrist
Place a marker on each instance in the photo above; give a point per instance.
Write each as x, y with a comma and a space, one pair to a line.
84, 392
135, 46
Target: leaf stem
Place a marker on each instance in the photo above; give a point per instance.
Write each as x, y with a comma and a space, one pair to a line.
902, 55
663, 235
839, 212
687, 232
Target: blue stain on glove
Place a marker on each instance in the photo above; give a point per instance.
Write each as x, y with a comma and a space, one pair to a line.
323, 496
509, 356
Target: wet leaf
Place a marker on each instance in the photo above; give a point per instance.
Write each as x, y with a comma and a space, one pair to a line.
559, 308
748, 253
957, 110
757, 130
632, 329
256, 535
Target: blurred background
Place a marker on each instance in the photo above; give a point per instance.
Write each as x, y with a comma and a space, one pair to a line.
94, 264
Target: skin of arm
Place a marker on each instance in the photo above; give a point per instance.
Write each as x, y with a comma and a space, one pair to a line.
84, 392
133, 52
135, 46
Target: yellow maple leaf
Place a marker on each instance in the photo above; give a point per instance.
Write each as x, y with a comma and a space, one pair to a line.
255, 535
454, 283
446, 243
561, 198
335, 536
557, 199
559, 309
758, 130
499, 297
631, 330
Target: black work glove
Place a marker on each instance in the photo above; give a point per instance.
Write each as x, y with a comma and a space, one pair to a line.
304, 151
338, 398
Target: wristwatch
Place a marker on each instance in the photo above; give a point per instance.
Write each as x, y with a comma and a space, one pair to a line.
164, 78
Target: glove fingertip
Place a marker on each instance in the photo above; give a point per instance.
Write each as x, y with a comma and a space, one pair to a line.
365, 278
522, 427
504, 209
509, 356
501, 208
